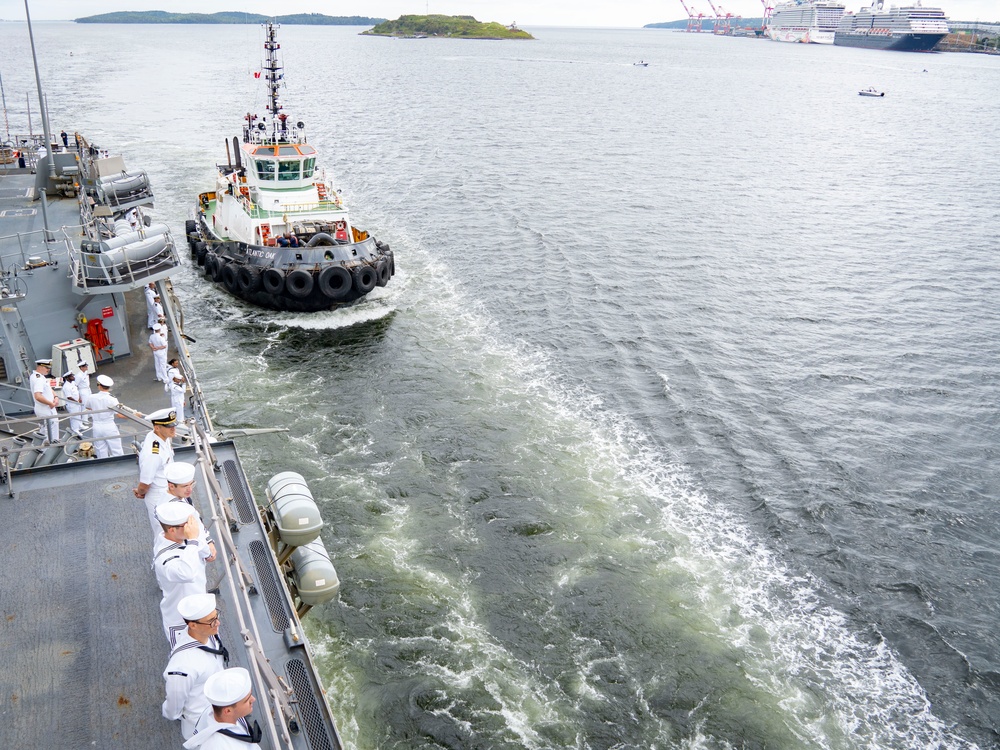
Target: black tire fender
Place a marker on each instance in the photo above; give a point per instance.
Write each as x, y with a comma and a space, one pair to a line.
229, 277
334, 282
273, 280
248, 279
365, 278
299, 283
382, 272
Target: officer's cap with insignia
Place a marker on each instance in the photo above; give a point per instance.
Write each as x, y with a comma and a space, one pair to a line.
105, 381
179, 472
173, 514
228, 686
164, 418
84, 366
196, 606
46, 362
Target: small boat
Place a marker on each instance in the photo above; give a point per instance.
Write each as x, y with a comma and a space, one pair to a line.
871, 91
641, 64
275, 231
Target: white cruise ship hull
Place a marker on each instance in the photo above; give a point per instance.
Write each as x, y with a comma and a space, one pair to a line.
806, 36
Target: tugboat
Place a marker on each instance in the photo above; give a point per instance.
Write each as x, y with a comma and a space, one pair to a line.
275, 232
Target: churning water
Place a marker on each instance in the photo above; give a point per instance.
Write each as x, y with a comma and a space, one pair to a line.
677, 427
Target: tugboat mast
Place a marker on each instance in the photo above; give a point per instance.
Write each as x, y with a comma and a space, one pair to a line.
272, 68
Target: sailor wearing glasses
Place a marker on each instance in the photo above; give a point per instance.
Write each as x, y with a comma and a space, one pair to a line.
225, 725
198, 655
178, 562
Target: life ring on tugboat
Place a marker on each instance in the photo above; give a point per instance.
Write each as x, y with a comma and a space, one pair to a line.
273, 280
299, 283
248, 279
229, 277
334, 282
341, 233
382, 272
365, 278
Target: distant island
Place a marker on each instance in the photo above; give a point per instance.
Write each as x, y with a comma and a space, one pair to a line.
451, 27
229, 17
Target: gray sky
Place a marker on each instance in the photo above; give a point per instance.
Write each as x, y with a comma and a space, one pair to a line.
630, 13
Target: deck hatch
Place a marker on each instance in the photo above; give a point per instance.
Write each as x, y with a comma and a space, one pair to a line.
241, 498
309, 710
269, 585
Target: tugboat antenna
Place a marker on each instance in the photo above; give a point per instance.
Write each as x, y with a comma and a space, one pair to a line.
273, 78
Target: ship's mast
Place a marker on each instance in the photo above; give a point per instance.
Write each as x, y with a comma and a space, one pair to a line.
272, 68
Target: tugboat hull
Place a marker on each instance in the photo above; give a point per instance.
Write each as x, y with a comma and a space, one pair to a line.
320, 275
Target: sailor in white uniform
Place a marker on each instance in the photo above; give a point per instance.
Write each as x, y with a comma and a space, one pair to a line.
83, 383
180, 487
176, 387
154, 457
158, 345
74, 405
178, 562
105, 432
45, 400
225, 725
198, 655
150, 293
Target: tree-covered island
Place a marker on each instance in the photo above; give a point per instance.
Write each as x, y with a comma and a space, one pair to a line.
451, 27
230, 17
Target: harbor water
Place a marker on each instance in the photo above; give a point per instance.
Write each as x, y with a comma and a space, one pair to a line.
678, 425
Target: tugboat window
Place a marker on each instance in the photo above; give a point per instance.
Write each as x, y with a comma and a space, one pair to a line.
265, 169
288, 170
287, 151
308, 167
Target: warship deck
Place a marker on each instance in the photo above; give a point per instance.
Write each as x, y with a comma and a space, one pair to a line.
82, 649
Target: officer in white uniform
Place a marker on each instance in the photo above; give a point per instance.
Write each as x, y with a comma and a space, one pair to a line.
105, 432
180, 487
198, 655
176, 387
158, 345
178, 562
225, 726
150, 293
83, 383
45, 400
154, 456
74, 405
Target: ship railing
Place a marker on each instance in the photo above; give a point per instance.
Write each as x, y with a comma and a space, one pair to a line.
256, 211
15, 248
270, 688
96, 269
173, 312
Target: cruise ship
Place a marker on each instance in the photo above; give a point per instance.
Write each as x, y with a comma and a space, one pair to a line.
909, 28
809, 21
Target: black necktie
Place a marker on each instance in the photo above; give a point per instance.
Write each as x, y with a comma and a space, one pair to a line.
221, 650
254, 733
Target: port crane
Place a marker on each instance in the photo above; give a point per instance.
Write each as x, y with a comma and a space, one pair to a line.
766, 21
694, 21
722, 23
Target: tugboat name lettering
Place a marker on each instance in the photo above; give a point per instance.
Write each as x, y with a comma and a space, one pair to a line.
261, 253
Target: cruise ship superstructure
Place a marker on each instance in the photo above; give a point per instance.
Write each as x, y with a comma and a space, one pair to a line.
908, 28
808, 21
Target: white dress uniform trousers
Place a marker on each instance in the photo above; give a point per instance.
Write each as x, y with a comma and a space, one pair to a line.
104, 425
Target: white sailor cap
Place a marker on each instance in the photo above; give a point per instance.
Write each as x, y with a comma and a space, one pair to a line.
228, 686
163, 417
83, 365
178, 472
105, 381
173, 513
196, 606
156, 326
46, 362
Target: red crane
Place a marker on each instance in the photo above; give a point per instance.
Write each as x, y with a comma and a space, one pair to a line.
722, 21
765, 22
694, 21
